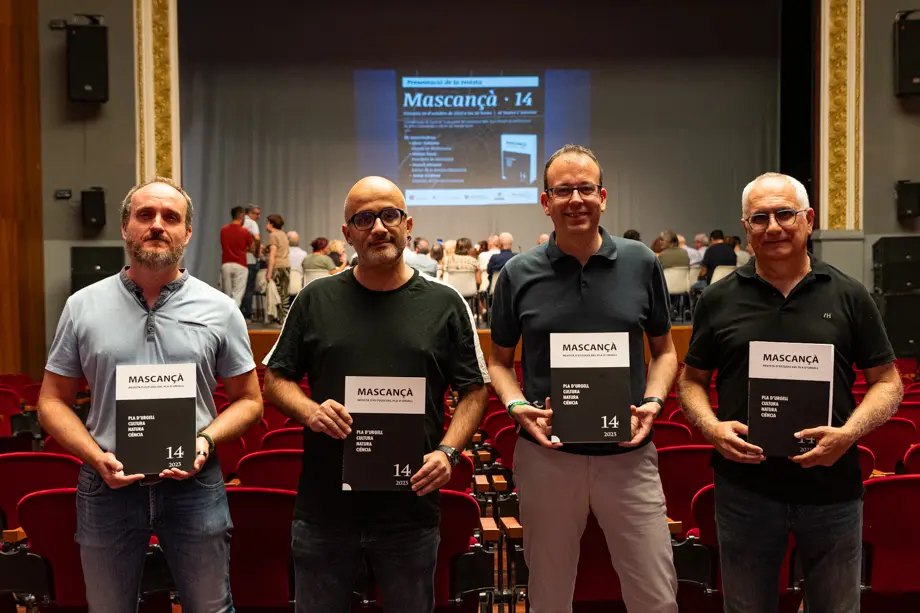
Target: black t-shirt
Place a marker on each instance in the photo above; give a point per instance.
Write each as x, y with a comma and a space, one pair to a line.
337, 328
620, 289
827, 307
721, 254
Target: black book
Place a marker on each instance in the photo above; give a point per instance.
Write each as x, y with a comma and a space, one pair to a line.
590, 387
155, 409
790, 388
387, 441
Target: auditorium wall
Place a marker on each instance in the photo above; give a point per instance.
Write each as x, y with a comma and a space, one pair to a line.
83, 145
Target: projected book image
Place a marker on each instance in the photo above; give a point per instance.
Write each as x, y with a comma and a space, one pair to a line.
790, 388
387, 440
155, 417
590, 387
519, 158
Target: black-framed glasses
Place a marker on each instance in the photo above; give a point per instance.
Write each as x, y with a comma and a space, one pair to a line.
390, 217
564, 192
784, 218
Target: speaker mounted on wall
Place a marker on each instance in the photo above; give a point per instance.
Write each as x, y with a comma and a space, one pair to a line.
92, 208
906, 54
907, 197
87, 62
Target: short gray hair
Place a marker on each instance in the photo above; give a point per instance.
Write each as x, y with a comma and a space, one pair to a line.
126, 203
801, 194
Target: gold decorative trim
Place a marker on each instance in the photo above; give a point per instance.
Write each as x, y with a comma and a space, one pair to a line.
162, 88
857, 118
837, 105
139, 88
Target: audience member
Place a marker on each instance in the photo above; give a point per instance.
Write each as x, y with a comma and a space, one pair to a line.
543, 238
673, 255
484, 257
235, 242
437, 254
632, 235
719, 253
278, 270
682, 242
742, 255
696, 252
297, 254
251, 223
498, 261
463, 261
419, 259
337, 254
659, 245
319, 259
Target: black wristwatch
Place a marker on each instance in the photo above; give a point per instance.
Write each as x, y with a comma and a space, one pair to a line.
210, 441
660, 402
453, 456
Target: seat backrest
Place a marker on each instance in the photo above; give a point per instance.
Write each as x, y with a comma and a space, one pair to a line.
49, 517
285, 438
260, 550
867, 461
27, 472
721, 272
911, 411
671, 434
272, 416
703, 509
295, 284
596, 580
50, 445
15, 381
495, 276
907, 366
889, 514
911, 396
229, 454
459, 519
461, 476
254, 435
505, 442
464, 281
312, 275
9, 406
684, 471
278, 469
677, 279
890, 442
220, 399
30, 394
495, 422
678, 417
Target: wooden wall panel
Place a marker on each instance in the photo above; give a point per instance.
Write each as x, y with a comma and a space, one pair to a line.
22, 300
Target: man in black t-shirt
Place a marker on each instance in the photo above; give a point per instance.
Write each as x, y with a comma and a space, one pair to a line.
719, 253
379, 319
786, 296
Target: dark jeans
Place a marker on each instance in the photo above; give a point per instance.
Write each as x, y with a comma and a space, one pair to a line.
192, 523
753, 535
246, 307
327, 561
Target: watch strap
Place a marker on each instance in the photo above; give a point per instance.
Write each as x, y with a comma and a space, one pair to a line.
649, 399
210, 441
453, 456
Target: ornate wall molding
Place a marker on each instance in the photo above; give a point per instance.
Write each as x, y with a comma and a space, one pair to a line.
157, 89
841, 142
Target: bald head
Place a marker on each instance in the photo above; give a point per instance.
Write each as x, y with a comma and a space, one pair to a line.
505, 240
293, 238
372, 189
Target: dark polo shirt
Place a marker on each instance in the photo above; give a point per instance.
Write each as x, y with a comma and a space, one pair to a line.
620, 289
826, 306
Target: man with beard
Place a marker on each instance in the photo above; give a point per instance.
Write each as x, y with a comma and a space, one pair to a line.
152, 312
379, 319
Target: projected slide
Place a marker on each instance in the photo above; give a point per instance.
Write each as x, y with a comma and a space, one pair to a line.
465, 139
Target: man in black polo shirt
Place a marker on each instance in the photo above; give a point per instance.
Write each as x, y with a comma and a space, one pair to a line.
785, 295
379, 319
584, 280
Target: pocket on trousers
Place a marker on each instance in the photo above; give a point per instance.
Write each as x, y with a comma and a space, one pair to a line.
90, 482
210, 476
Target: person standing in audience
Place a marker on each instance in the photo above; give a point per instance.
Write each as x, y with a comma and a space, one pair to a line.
382, 319
672, 256
251, 223
584, 280
319, 259
498, 261
235, 242
278, 269
786, 295
296, 255
152, 312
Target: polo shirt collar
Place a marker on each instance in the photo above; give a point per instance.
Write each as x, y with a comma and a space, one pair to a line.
818, 268
167, 290
608, 248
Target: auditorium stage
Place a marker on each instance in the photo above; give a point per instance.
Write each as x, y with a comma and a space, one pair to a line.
262, 341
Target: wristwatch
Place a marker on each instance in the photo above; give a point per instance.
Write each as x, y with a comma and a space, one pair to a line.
210, 441
649, 399
453, 456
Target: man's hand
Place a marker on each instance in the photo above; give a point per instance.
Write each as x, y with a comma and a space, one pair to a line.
113, 472
724, 436
641, 422
538, 422
330, 418
201, 456
831, 444
434, 473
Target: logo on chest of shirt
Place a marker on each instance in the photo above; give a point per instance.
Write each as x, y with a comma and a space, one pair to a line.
827, 316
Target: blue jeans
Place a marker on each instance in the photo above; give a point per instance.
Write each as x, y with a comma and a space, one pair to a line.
327, 561
192, 523
246, 306
753, 536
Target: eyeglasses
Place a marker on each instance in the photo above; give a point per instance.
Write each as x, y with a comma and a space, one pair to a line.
565, 192
783, 217
390, 217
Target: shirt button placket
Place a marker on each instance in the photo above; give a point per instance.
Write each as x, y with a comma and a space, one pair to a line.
150, 326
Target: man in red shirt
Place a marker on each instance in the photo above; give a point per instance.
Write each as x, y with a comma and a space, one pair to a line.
235, 241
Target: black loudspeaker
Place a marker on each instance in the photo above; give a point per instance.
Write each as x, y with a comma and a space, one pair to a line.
899, 314
92, 208
896, 249
91, 264
87, 63
907, 197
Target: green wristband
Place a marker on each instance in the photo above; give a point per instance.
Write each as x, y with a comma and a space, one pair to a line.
516, 403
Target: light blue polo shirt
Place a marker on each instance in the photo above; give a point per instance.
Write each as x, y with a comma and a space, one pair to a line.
109, 323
